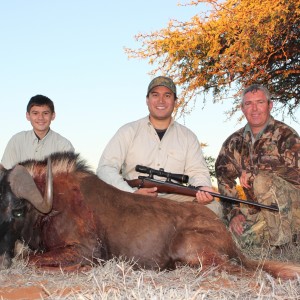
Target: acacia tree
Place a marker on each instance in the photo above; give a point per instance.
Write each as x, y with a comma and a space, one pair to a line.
222, 50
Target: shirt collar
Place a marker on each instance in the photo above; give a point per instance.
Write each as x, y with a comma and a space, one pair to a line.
171, 123
258, 136
43, 137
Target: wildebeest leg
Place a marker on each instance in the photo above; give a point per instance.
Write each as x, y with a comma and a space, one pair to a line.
207, 249
204, 248
68, 257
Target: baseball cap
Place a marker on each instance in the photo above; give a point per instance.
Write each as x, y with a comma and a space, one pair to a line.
162, 81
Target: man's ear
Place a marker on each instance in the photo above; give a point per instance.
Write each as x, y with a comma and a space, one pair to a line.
270, 105
53, 116
27, 116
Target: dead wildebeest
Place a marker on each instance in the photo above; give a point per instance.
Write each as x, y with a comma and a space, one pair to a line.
88, 221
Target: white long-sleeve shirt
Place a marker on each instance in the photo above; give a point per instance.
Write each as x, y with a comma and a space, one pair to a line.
137, 142
26, 145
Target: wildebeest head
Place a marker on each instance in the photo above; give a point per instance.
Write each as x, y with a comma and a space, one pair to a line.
15, 186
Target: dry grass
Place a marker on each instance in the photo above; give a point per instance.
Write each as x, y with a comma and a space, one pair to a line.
117, 279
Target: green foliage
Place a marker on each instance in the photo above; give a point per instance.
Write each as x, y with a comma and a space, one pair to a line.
235, 44
210, 161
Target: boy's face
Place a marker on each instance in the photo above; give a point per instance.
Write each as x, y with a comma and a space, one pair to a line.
40, 118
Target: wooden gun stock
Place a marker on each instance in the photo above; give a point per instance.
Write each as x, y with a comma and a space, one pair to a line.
170, 187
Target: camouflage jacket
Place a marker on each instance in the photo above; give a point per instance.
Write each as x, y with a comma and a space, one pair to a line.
275, 149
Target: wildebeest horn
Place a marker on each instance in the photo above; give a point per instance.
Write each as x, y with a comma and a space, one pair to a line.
23, 186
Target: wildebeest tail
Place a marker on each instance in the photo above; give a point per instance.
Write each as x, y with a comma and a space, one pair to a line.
277, 269
282, 270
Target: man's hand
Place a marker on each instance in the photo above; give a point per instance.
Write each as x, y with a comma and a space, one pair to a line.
204, 197
236, 224
244, 180
147, 191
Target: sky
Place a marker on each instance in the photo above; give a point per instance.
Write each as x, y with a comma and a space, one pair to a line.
72, 51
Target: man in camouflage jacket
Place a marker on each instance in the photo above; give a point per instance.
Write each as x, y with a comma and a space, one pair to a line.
264, 156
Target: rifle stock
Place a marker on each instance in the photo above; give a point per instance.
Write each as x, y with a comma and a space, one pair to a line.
170, 187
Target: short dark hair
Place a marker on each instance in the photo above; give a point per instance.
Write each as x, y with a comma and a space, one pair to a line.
40, 100
254, 88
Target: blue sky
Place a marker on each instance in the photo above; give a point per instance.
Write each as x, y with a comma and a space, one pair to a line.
73, 52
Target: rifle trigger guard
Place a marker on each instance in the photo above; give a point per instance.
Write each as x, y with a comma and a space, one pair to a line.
141, 184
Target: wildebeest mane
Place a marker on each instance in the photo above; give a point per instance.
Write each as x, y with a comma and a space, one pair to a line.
62, 162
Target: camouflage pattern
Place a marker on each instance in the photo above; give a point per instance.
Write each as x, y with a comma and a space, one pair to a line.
271, 163
162, 81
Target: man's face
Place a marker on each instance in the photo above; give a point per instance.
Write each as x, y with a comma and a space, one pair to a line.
256, 109
40, 118
161, 103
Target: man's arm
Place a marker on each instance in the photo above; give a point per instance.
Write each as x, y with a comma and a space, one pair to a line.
197, 170
290, 152
226, 176
227, 172
195, 164
111, 161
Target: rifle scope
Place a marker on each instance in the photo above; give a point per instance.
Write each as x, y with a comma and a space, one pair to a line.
178, 177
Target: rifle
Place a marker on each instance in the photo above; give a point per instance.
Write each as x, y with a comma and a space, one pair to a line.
170, 187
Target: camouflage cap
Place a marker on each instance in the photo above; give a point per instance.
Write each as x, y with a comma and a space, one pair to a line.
162, 81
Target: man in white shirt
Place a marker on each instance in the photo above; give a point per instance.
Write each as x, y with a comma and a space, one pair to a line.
157, 141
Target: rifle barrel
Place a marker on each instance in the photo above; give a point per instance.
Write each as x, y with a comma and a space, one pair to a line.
271, 207
190, 190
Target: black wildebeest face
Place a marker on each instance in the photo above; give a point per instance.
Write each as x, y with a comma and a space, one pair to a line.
12, 219
15, 186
